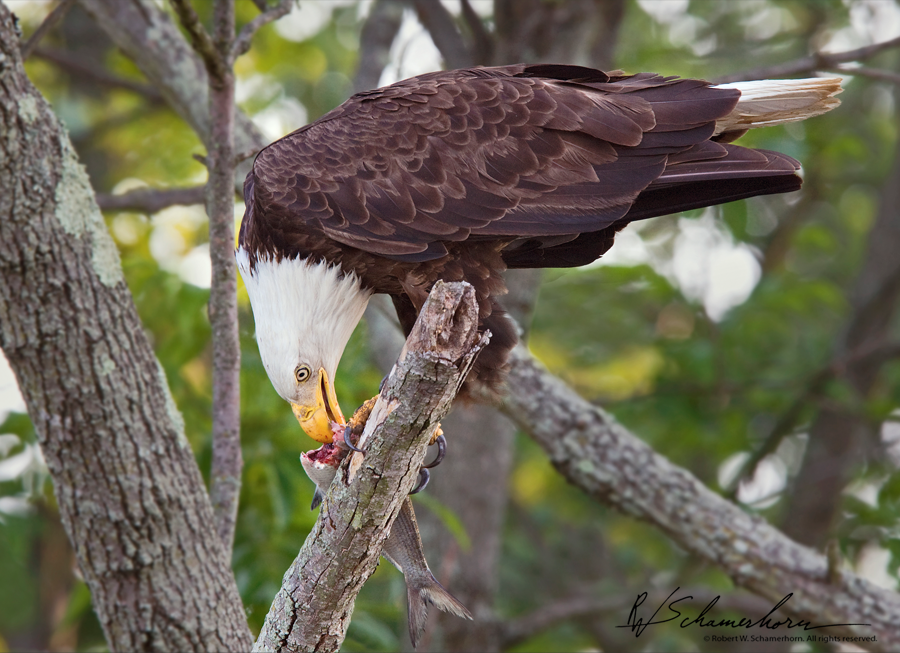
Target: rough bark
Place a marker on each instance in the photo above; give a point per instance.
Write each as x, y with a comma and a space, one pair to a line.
312, 610
129, 491
602, 458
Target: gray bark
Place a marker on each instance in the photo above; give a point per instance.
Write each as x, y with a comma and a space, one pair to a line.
312, 610
130, 495
602, 458
227, 461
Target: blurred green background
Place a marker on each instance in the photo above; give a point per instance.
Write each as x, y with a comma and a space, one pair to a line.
700, 332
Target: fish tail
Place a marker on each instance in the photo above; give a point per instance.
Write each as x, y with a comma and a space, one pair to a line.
419, 595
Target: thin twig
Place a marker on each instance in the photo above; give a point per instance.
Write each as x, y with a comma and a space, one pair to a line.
65, 61
813, 62
871, 73
52, 19
200, 39
227, 460
151, 200
789, 419
242, 42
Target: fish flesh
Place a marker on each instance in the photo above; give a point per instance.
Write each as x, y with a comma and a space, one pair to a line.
403, 548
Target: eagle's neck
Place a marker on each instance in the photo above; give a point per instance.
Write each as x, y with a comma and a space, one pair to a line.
302, 307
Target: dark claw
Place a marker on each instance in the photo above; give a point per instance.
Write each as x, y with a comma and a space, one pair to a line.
441, 442
424, 476
383, 382
349, 444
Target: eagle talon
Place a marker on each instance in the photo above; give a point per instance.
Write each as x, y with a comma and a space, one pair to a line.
441, 443
424, 477
347, 431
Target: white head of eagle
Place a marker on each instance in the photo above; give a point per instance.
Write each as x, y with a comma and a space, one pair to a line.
305, 313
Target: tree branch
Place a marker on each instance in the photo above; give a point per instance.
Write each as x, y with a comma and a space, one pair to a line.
840, 438
202, 42
245, 37
818, 61
227, 459
151, 200
598, 455
442, 28
378, 33
312, 609
482, 39
65, 61
870, 73
52, 19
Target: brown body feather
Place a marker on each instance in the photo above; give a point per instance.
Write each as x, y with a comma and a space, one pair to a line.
459, 175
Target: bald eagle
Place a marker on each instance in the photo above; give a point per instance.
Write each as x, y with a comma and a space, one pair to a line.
461, 175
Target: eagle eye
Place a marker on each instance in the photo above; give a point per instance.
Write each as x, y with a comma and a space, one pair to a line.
302, 373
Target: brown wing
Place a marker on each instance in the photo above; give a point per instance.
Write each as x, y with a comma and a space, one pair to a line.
539, 154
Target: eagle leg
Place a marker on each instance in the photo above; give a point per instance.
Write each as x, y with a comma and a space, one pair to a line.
357, 423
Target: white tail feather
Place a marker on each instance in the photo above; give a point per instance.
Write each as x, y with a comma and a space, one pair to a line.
776, 101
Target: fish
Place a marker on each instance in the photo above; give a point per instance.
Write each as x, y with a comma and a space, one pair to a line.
403, 547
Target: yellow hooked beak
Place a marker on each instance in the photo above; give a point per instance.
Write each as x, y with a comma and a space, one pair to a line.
316, 420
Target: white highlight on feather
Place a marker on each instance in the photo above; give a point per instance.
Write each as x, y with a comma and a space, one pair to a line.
775, 101
305, 312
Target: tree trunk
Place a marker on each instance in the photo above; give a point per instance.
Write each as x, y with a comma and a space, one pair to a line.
129, 491
839, 438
